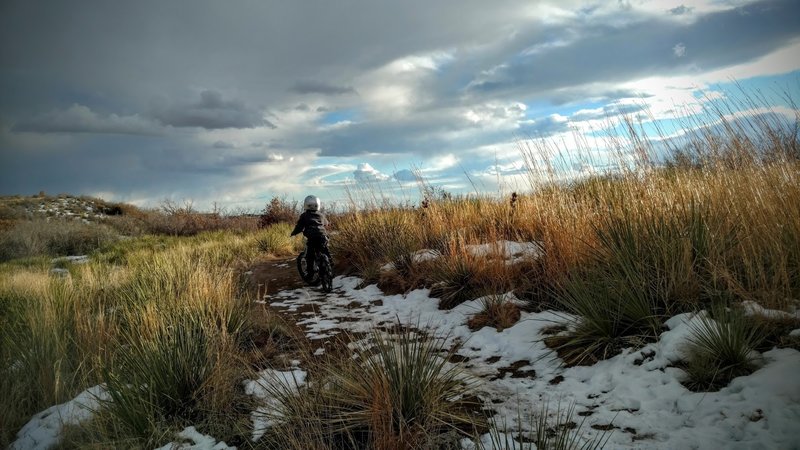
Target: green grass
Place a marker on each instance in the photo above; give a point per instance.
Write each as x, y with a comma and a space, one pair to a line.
721, 348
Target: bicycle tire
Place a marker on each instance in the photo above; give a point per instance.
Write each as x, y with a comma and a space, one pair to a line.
301, 269
301, 265
325, 273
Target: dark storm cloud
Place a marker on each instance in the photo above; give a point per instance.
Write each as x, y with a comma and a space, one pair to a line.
91, 167
680, 10
84, 85
316, 87
644, 48
81, 119
129, 52
212, 112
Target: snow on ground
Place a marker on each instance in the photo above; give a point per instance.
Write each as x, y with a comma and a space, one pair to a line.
511, 251
200, 442
264, 416
754, 309
417, 257
637, 392
44, 429
76, 259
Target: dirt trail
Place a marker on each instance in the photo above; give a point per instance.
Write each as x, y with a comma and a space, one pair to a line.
274, 275
268, 278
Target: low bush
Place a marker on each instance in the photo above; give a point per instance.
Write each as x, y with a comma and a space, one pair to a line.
278, 210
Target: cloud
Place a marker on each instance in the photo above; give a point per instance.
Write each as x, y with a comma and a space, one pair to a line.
81, 119
223, 144
680, 10
608, 111
546, 126
405, 175
228, 95
367, 174
212, 112
636, 48
317, 87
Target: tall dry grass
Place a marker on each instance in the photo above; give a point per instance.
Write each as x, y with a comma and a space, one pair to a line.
711, 215
164, 323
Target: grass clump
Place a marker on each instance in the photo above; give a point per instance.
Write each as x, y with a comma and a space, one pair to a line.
398, 392
561, 432
275, 240
167, 376
496, 311
721, 348
640, 271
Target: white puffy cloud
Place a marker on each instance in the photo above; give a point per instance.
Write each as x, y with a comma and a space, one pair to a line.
365, 173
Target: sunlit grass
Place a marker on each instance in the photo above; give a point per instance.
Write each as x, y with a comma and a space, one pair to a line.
163, 322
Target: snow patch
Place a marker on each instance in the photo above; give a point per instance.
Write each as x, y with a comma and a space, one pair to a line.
59, 272
512, 252
199, 442
752, 308
416, 257
639, 389
44, 429
265, 416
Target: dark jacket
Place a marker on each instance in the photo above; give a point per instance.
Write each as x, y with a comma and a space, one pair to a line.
312, 224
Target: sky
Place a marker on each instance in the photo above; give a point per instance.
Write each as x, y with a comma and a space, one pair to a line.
232, 103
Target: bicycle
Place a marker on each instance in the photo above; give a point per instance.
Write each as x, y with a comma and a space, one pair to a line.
323, 274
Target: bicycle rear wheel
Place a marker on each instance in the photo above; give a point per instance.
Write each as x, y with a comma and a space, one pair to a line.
325, 273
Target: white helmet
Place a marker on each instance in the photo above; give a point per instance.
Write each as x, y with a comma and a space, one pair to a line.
311, 203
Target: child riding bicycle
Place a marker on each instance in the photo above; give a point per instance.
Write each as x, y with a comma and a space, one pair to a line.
312, 224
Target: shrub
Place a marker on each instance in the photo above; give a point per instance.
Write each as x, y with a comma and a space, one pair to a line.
278, 210
375, 238
45, 353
